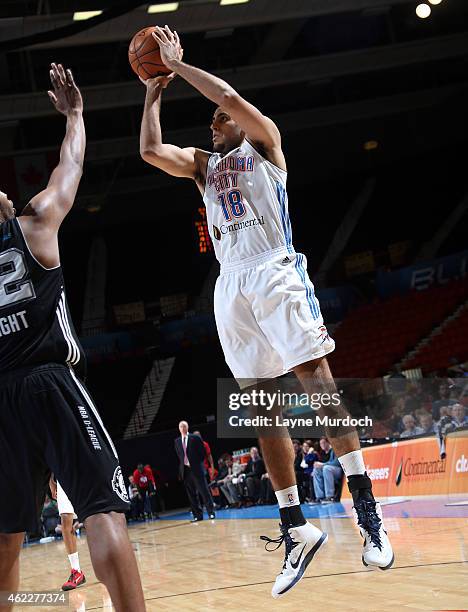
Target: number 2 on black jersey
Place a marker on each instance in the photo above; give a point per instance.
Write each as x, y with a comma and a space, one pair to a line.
14, 284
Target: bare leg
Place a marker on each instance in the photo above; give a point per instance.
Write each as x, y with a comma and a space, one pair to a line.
10, 546
315, 376
277, 450
68, 533
114, 561
278, 455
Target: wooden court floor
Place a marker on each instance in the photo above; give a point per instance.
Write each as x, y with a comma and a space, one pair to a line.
221, 565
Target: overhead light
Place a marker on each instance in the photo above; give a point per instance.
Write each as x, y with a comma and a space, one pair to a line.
435, 2
370, 145
226, 2
163, 8
423, 11
82, 15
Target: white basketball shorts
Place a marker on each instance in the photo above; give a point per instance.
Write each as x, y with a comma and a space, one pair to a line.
268, 316
63, 503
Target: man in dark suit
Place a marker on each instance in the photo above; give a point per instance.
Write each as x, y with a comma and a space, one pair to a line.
191, 453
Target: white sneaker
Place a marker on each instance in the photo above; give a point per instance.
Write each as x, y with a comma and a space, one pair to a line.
377, 550
302, 543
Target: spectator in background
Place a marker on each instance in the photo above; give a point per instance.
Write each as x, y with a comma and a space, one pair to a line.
415, 397
49, 516
217, 493
410, 427
307, 464
191, 453
427, 424
253, 473
144, 480
327, 473
152, 493
398, 410
444, 399
299, 456
136, 501
228, 488
458, 416
208, 463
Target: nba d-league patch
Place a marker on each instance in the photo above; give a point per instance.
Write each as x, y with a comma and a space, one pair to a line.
118, 484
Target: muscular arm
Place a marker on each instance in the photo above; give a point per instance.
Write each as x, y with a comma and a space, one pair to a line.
188, 162
41, 218
51, 205
259, 129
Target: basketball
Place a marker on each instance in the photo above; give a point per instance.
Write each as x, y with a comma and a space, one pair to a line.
144, 55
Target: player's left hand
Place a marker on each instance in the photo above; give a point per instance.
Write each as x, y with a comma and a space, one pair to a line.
66, 96
169, 46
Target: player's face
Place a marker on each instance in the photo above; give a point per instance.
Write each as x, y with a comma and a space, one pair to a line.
227, 135
7, 210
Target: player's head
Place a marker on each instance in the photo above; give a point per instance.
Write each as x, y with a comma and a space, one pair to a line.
7, 210
325, 444
140, 467
254, 453
183, 428
227, 134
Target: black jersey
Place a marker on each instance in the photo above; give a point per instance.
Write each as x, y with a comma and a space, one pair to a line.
35, 323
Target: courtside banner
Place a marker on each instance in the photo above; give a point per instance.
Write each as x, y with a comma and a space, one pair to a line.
416, 467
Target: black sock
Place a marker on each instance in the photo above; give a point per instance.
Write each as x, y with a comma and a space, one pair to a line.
292, 516
360, 487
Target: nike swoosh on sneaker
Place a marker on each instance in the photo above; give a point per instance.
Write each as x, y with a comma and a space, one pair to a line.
296, 565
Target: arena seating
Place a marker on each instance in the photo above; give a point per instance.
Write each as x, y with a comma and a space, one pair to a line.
375, 336
450, 342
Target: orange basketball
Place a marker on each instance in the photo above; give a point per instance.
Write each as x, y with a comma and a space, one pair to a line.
144, 55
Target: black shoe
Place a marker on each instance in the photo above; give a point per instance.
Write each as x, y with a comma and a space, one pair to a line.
212, 515
196, 519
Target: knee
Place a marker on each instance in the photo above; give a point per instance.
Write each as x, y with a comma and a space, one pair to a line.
67, 522
10, 546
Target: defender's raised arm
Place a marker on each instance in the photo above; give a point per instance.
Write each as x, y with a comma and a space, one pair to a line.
53, 203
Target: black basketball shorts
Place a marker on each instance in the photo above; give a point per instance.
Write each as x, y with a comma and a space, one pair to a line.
48, 422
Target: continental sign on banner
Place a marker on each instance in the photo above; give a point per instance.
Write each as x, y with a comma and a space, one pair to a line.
414, 467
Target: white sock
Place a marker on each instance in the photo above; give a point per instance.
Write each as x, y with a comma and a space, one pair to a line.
353, 463
288, 497
74, 562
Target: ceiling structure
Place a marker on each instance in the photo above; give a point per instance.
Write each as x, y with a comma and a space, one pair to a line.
332, 73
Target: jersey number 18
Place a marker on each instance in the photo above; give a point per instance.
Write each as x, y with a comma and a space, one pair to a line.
232, 205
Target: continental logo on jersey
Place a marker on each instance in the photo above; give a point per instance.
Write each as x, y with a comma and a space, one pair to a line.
240, 225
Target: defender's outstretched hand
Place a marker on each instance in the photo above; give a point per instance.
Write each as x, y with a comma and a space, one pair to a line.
66, 96
159, 82
169, 46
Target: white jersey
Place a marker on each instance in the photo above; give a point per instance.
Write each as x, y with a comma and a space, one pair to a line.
246, 205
